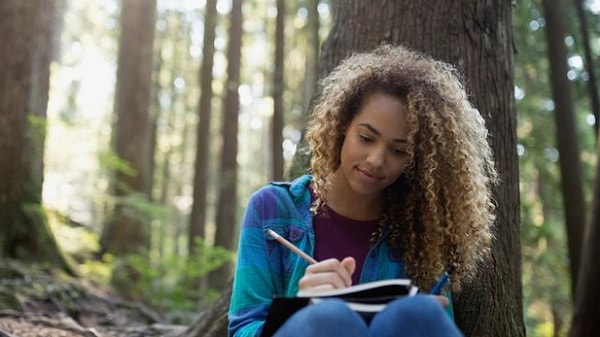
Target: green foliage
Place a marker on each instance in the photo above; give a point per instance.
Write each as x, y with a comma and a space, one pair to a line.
74, 239
168, 284
37, 130
98, 271
171, 285
111, 161
142, 208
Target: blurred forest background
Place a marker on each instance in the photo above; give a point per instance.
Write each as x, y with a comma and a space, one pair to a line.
163, 116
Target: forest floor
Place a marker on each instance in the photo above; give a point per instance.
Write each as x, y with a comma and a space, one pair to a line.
36, 303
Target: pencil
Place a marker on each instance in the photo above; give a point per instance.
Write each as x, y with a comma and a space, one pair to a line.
293, 248
437, 289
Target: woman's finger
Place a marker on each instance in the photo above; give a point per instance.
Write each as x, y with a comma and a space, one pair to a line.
329, 272
443, 300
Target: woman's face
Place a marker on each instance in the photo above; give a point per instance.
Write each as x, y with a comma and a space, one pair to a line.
373, 154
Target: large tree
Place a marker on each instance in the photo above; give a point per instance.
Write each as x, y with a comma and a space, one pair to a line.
197, 223
227, 203
566, 133
26, 31
127, 232
475, 36
590, 65
276, 172
587, 301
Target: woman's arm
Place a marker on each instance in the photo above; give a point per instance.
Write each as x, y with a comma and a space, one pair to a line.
253, 286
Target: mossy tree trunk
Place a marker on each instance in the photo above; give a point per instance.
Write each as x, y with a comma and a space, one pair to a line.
128, 231
26, 32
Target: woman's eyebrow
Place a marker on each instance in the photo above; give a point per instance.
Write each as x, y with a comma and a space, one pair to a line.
376, 132
371, 128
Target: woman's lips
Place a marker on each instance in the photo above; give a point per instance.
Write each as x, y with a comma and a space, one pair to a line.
367, 176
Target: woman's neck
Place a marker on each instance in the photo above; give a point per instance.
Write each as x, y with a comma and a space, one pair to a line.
351, 205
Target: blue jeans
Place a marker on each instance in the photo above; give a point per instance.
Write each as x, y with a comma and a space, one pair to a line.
416, 316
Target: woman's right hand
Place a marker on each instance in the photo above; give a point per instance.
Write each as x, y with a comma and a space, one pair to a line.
328, 274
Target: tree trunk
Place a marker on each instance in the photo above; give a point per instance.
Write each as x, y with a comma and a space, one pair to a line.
198, 217
128, 231
312, 54
26, 32
564, 115
227, 205
473, 35
156, 115
587, 301
591, 83
302, 155
278, 84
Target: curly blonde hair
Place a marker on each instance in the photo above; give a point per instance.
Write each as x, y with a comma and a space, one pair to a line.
441, 209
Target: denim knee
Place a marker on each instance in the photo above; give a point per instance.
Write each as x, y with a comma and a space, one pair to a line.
419, 315
421, 306
324, 319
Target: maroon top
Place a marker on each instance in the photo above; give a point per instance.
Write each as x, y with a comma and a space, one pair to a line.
339, 237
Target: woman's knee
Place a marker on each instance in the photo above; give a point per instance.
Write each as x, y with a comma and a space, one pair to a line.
420, 315
414, 310
331, 311
420, 305
327, 318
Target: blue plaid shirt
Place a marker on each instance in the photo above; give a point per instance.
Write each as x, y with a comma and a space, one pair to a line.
266, 268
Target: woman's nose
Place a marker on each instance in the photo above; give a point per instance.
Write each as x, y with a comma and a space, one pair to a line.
376, 157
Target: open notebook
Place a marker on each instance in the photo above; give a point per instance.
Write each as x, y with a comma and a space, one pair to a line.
366, 299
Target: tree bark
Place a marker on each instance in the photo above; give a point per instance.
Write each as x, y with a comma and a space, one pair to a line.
278, 84
564, 116
197, 223
128, 231
227, 205
302, 155
472, 35
591, 83
26, 31
587, 301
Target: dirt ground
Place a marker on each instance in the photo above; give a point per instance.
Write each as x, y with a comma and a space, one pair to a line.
36, 303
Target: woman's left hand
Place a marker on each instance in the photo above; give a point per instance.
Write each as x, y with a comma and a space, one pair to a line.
442, 300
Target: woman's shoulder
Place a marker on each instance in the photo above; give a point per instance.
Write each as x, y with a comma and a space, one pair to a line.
283, 196
282, 199
294, 188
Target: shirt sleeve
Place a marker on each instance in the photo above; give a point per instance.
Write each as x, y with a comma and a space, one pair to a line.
253, 285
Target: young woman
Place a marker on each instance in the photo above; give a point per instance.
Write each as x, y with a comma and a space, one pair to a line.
399, 187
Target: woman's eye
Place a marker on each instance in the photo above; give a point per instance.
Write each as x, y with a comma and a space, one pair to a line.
365, 139
399, 151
